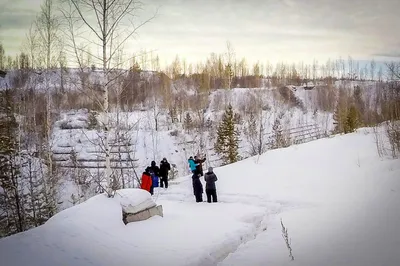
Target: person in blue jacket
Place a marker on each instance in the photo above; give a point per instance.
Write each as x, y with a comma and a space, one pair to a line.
192, 165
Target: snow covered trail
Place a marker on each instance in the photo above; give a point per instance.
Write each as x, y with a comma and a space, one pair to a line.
229, 205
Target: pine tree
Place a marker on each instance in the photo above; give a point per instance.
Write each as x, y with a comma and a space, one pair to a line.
340, 114
208, 123
359, 103
188, 122
227, 143
13, 220
237, 118
278, 139
352, 121
35, 199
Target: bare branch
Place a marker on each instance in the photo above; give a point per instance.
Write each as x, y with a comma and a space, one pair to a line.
394, 69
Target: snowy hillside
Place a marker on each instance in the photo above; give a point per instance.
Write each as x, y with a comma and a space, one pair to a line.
143, 143
337, 198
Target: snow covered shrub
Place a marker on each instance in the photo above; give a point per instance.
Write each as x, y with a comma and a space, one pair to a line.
93, 123
174, 133
393, 134
173, 173
266, 107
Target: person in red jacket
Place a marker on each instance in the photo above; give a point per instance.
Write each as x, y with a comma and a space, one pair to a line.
147, 182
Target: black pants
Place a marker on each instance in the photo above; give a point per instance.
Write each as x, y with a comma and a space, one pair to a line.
164, 180
211, 193
199, 197
151, 190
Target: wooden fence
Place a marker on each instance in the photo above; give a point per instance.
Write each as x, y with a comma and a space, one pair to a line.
293, 136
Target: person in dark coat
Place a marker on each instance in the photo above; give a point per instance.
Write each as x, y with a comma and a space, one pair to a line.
197, 187
164, 168
211, 189
199, 164
155, 173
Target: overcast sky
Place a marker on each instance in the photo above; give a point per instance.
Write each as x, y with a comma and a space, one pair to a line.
274, 30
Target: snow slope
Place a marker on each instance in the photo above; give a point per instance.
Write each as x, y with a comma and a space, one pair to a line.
70, 133
337, 198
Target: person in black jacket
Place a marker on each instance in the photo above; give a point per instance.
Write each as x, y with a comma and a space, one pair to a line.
155, 173
197, 187
164, 168
154, 169
211, 190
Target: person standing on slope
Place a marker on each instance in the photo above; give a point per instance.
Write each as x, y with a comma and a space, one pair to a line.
155, 173
199, 163
147, 182
192, 165
164, 168
197, 187
211, 189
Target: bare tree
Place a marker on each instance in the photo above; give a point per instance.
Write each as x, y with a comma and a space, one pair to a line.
108, 25
372, 69
394, 70
230, 60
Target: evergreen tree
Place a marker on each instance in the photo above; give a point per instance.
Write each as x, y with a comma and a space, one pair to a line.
227, 143
278, 138
340, 114
359, 104
237, 118
208, 123
352, 121
188, 122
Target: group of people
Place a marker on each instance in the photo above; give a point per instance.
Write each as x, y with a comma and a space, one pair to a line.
155, 176
196, 166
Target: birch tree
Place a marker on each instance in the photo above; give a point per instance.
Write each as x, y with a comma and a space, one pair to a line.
47, 25
103, 22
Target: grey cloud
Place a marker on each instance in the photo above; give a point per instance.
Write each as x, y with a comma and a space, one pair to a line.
16, 21
301, 27
390, 55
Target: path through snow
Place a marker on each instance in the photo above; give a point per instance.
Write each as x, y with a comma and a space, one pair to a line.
256, 223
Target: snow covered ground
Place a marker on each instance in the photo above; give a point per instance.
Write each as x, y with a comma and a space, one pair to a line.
337, 198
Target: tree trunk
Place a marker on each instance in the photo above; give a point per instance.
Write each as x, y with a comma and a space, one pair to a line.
108, 171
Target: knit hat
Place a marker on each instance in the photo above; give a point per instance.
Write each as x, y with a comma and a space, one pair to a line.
210, 169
